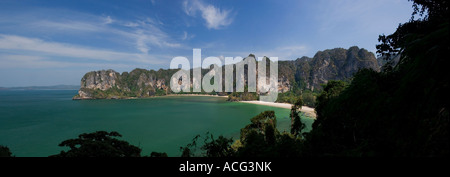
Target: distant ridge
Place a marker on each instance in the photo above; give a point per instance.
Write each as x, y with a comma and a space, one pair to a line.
53, 87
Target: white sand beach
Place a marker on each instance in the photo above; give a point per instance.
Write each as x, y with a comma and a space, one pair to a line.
310, 112
307, 110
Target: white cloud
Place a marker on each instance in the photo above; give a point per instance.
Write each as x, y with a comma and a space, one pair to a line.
67, 25
189, 8
173, 45
145, 34
31, 61
289, 52
286, 52
149, 35
131, 24
108, 20
187, 36
215, 18
41, 48
141, 44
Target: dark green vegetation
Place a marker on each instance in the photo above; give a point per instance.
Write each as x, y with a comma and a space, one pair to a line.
5, 152
158, 154
243, 96
401, 111
308, 97
98, 144
211, 147
296, 125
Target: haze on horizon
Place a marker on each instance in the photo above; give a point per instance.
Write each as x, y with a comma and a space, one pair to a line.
55, 42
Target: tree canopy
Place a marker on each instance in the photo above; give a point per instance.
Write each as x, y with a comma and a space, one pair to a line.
5, 152
98, 144
296, 124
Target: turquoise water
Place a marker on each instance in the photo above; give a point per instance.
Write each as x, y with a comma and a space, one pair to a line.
33, 123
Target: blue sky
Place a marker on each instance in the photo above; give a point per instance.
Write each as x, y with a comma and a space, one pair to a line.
57, 41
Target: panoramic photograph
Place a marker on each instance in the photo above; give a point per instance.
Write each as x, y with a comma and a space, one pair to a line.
210, 78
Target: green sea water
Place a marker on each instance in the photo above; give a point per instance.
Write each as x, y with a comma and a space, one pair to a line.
34, 122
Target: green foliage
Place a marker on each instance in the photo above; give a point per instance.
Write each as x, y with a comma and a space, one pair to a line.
259, 124
309, 98
331, 89
296, 124
289, 146
5, 152
339, 128
243, 96
160, 92
186, 152
220, 147
255, 145
287, 97
98, 144
261, 139
158, 154
189, 149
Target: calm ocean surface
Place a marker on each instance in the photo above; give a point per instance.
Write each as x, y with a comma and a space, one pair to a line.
33, 123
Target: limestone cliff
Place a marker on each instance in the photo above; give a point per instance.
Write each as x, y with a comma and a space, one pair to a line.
109, 84
332, 64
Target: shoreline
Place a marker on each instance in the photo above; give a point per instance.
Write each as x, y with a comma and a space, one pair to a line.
130, 98
310, 112
194, 95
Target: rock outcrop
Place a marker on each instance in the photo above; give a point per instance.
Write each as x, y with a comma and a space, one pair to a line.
332, 64
102, 80
109, 84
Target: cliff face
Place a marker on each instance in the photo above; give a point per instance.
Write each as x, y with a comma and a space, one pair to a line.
332, 64
110, 84
102, 80
305, 73
340, 64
